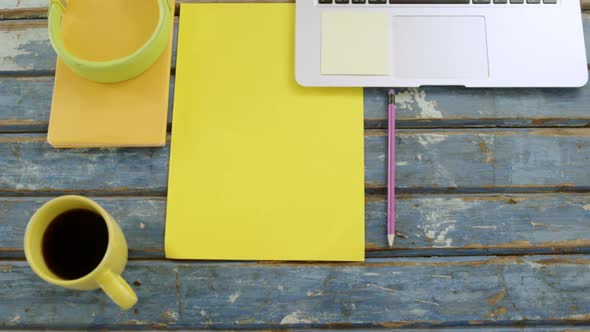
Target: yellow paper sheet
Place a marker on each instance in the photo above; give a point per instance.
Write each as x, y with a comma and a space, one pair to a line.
261, 168
129, 113
356, 43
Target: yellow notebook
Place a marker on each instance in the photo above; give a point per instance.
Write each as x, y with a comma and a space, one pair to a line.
130, 113
261, 168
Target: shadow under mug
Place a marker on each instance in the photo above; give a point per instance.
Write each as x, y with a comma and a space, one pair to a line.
106, 275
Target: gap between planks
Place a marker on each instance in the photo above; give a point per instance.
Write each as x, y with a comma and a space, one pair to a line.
450, 123
17, 255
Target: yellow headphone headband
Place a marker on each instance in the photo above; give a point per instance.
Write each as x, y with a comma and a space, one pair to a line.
113, 70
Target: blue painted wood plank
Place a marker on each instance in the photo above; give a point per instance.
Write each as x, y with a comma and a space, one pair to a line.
427, 225
449, 160
30, 164
527, 222
452, 107
25, 104
28, 50
141, 218
427, 160
482, 221
391, 293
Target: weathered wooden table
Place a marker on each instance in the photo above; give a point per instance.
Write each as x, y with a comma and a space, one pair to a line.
493, 211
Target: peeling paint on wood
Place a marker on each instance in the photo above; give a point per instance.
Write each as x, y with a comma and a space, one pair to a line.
418, 297
521, 160
6, 268
43, 47
498, 312
24, 48
415, 100
454, 158
495, 299
479, 222
25, 105
481, 292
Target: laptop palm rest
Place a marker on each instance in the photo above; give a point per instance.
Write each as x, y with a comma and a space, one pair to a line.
440, 47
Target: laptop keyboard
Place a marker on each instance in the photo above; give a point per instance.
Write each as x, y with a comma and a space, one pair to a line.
382, 2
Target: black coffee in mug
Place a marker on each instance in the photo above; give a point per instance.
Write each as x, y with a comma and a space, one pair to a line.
74, 243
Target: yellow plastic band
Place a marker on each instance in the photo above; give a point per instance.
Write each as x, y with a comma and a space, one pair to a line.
113, 70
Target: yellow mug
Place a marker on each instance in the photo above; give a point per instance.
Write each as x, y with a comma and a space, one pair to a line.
72, 242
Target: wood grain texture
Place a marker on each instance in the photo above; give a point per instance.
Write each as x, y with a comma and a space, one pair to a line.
475, 161
27, 51
427, 161
23, 9
427, 225
498, 172
141, 218
28, 159
380, 293
25, 103
460, 107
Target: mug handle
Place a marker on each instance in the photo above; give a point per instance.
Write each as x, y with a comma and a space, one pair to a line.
117, 289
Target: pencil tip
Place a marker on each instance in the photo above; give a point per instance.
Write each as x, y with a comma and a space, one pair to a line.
390, 238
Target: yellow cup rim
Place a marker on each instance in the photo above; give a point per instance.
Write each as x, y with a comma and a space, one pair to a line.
36, 219
116, 70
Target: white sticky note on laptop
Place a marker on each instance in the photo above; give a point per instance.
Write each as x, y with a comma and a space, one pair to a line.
356, 43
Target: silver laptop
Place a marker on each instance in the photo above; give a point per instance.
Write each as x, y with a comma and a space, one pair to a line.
410, 43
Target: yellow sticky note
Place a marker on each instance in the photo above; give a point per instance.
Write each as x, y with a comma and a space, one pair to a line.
356, 43
260, 167
130, 113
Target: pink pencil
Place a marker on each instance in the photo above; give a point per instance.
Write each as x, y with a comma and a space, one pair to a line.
391, 171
